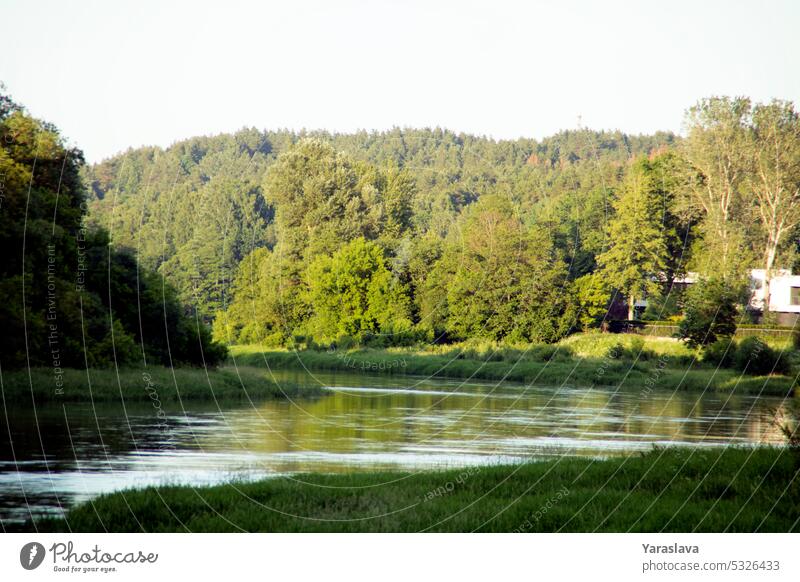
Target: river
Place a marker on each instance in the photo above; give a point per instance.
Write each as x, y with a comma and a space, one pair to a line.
59, 455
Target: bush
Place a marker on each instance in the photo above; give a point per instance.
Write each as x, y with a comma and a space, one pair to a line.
344, 342
755, 357
796, 339
117, 348
710, 312
543, 352
721, 353
616, 351
637, 349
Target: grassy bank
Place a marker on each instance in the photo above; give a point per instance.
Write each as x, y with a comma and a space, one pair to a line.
144, 384
582, 360
678, 490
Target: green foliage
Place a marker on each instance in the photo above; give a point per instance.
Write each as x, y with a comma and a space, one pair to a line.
192, 212
323, 199
72, 298
353, 293
616, 351
720, 353
710, 312
662, 307
502, 280
638, 249
755, 357
718, 161
255, 315
234, 222
678, 219
197, 209
592, 297
117, 347
775, 154
595, 345
229, 217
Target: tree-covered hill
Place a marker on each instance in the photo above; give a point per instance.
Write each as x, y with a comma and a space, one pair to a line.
194, 210
427, 235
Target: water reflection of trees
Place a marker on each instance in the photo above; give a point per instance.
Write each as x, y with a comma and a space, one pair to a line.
476, 417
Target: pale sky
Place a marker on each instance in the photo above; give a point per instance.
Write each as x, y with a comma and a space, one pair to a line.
114, 74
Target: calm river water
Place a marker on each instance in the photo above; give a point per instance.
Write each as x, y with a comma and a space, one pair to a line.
64, 455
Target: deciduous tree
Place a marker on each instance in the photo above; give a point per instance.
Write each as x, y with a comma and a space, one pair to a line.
775, 180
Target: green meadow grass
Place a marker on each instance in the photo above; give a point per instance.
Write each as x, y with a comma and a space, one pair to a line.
673, 490
581, 360
597, 345
142, 384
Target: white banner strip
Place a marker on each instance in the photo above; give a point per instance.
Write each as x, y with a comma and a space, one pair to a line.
399, 557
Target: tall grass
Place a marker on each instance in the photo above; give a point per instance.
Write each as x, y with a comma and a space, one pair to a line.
674, 490
597, 345
141, 384
588, 360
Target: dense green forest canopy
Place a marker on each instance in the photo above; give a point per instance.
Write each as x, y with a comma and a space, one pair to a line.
307, 238
195, 210
68, 296
279, 237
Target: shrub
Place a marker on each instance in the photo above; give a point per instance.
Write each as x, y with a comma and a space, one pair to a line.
344, 342
117, 347
710, 312
721, 353
796, 339
616, 351
543, 352
637, 349
753, 356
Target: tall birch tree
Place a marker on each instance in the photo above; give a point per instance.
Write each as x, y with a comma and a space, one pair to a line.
716, 150
775, 180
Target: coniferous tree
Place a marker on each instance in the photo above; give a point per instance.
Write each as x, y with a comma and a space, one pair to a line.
636, 257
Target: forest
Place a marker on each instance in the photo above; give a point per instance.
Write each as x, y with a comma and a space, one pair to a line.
409, 236
69, 296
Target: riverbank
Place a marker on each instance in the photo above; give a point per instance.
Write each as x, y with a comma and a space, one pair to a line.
139, 384
671, 490
650, 364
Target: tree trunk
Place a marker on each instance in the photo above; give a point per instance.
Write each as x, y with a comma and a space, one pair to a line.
631, 307
772, 249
